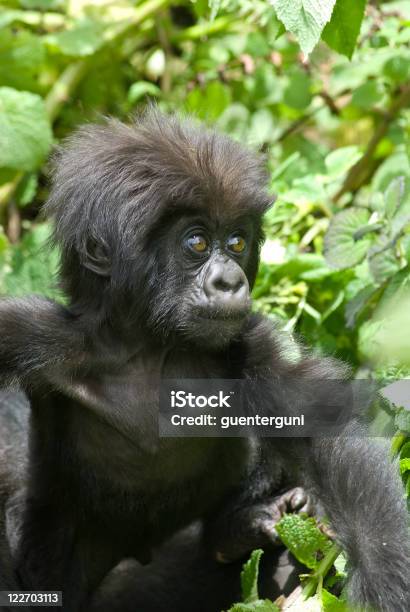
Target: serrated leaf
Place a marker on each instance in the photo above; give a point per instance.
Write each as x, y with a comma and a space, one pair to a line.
303, 538
249, 577
344, 27
394, 195
25, 130
341, 247
305, 19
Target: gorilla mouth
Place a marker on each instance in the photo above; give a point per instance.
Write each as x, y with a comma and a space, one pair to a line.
223, 316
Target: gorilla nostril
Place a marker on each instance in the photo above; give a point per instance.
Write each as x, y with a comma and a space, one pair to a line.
222, 284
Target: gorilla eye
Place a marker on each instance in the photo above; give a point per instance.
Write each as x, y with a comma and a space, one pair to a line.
236, 244
197, 243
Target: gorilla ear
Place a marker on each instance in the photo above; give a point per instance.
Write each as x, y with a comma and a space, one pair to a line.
96, 257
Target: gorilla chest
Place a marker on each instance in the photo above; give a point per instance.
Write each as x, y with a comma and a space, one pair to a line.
116, 420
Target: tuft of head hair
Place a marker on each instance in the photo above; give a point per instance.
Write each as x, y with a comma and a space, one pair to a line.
113, 183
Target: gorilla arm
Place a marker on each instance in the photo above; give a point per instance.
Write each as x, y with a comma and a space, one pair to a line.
350, 474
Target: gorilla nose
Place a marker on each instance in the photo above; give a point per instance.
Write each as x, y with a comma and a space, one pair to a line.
227, 286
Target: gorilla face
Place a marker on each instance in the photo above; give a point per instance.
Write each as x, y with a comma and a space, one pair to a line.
204, 271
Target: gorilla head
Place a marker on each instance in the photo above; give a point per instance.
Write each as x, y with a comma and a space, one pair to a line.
159, 224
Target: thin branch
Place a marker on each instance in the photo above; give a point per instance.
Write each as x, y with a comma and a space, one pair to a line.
361, 172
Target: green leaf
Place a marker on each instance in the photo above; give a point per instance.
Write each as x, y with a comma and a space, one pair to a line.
256, 606
397, 69
297, 94
303, 538
249, 577
210, 102
33, 265
140, 89
339, 161
25, 130
355, 306
383, 263
21, 59
367, 95
261, 128
305, 19
331, 603
393, 196
402, 420
26, 190
342, 248
344, 27
84, 39
404, 465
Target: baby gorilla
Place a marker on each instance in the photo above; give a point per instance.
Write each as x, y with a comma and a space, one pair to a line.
159, 229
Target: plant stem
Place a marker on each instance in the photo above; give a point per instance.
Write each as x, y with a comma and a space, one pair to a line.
319, 574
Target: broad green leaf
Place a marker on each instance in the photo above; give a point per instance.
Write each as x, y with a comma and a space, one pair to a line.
342, 247
84, 39
368, 95
339, 161
402, 421
383, 263
257, 45
214, 5
26, 189
261, 128
21, 59
393, 196
357, 304
303, 538
234, 120
140, 89
297, 94
305, 190
305, 19
25, 131
343, 29
398, 69
209, 102
331, 603
404, 465
249, 577
405, 451
370, 347
33, 265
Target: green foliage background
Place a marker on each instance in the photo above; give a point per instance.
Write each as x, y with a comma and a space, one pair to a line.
323, 89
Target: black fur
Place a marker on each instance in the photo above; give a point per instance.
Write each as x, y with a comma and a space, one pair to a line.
101, 485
